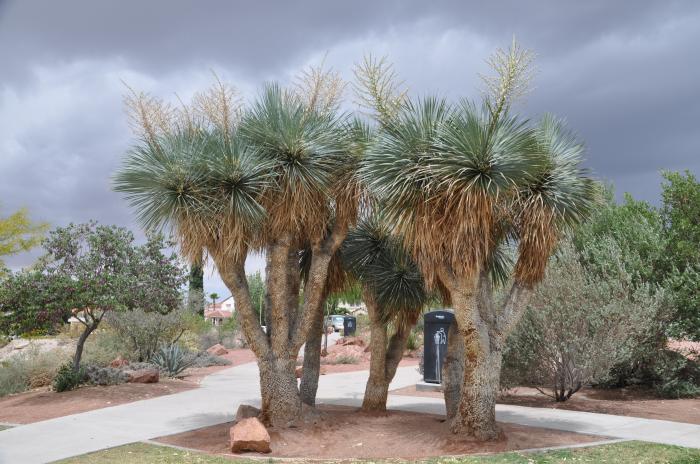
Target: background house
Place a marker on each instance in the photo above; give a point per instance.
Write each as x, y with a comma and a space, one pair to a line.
217, 313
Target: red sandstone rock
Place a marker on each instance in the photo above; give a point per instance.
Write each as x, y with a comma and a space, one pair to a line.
249, 435
217, 350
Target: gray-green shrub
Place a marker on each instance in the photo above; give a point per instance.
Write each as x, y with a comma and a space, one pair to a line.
578, 326
32, 368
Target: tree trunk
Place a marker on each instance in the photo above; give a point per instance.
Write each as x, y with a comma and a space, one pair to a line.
453, 372
281, 403
377, 388
312, 363
386, 354
81, 345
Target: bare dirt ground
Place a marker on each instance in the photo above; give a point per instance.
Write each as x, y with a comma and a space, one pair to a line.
43, 404
343, 432
621, 402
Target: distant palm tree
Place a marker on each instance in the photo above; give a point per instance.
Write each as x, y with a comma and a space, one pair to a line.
214, 297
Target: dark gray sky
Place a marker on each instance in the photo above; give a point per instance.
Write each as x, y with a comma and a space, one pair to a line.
625, 75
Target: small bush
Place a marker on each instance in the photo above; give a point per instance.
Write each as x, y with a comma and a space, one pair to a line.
143, 332
172, 360
412, 343
204, 359
676, 376
345, 359
96, 375
67, 378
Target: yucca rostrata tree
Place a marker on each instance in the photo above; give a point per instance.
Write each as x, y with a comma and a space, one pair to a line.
458, 181
395, 295
273, 178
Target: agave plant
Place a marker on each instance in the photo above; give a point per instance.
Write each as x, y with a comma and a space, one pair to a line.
172, 359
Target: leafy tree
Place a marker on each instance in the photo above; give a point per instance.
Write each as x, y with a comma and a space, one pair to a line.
196, 288
273, 178
89, 271
18, 233
457, 183
214, 297
256, 284
681, 221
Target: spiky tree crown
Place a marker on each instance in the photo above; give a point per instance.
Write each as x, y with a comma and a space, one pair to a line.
228, 180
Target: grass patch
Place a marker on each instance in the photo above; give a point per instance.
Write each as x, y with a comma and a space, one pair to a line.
621, 453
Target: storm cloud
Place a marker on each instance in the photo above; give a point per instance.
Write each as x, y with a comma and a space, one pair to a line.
623, 74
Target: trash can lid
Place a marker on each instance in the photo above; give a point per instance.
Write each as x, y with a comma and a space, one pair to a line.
439, 315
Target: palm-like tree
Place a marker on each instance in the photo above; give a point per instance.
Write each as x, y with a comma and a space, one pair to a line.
395, 295
270, 179
457, 182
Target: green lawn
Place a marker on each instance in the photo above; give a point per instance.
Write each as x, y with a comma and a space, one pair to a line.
619, 453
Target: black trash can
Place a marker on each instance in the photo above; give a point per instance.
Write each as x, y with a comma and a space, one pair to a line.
435, 329
349, 325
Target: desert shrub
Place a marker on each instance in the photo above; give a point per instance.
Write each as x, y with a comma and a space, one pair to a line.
345, 359
67, 378
227, 335
105, 345
144, 332
413, 341
577, 327
32, 368
172, 360
97, 375
204, 359
675, 376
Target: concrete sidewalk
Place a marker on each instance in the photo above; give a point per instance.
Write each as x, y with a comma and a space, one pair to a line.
221, 393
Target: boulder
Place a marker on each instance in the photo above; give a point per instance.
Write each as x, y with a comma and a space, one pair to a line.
217, 350
246, 411
249, 435
119, 362
143, 376
345, 341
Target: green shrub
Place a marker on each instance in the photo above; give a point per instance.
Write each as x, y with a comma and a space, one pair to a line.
172, 360
676, 376
144, 332
413, 342
67, 378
